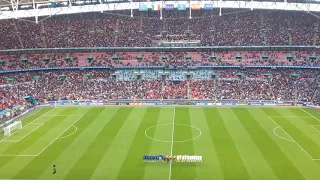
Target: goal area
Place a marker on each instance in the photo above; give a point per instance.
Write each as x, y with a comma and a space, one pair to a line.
11, 127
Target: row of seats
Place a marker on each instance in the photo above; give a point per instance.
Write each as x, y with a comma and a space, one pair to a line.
252, 58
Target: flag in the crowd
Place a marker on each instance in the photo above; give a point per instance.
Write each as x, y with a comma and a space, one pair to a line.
169, 7
208, 6
143, 7
195, 7
53, 4
155, 7
182, 7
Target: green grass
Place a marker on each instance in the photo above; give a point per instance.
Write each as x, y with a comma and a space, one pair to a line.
107, 143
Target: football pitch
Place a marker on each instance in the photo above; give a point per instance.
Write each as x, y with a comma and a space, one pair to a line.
108, 143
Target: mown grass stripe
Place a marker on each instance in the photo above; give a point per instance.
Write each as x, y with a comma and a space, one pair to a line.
232, 166
247, 148
315, 113
300, 129
277, 160
39, 164
182, 133
161, 132
83, 140
120, 147
20, 146
133, 167
67, 152
306, 114
308, 125
307, 167
203, 146
26, 119
86, 165
312, 148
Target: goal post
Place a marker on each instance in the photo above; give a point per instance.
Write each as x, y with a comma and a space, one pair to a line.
15, 125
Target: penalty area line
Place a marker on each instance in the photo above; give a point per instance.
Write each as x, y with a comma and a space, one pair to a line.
30, 132
76, 129
18, 179
314, 127
275, 133
48, 144
291, 116
292, 139
19, 155
59, 135
31, 122
5, 140
61, 115
302, 109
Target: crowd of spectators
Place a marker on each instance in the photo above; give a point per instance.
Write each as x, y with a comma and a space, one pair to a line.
8, 101
262, 84
207, 28
252, 58
235, 27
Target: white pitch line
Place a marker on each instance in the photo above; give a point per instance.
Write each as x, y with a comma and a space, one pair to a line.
172, 135
5, 139
30, 132
76, 129
46, 146
292, 139
61, 115
17, 179
59, 135
274, 132
20, 155
313, 126
291, 116
26, 124
10, 140
24, 135
164, 141
309, 114
40, 116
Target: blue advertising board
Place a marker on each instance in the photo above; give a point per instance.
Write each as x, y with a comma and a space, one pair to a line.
228, 104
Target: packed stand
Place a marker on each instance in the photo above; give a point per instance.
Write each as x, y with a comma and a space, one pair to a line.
235, 27
263, 84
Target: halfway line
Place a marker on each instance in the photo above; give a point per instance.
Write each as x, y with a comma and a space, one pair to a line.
174, 116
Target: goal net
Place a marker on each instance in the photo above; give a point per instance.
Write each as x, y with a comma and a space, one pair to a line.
8, 130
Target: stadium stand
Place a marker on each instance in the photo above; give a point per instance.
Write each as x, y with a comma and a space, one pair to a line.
161, 74
263, 84
253, 58
233, 28
128, 53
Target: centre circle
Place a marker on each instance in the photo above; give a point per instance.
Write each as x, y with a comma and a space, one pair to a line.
180, 137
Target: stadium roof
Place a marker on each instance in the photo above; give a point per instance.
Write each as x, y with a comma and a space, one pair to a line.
8, 3
42, 8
